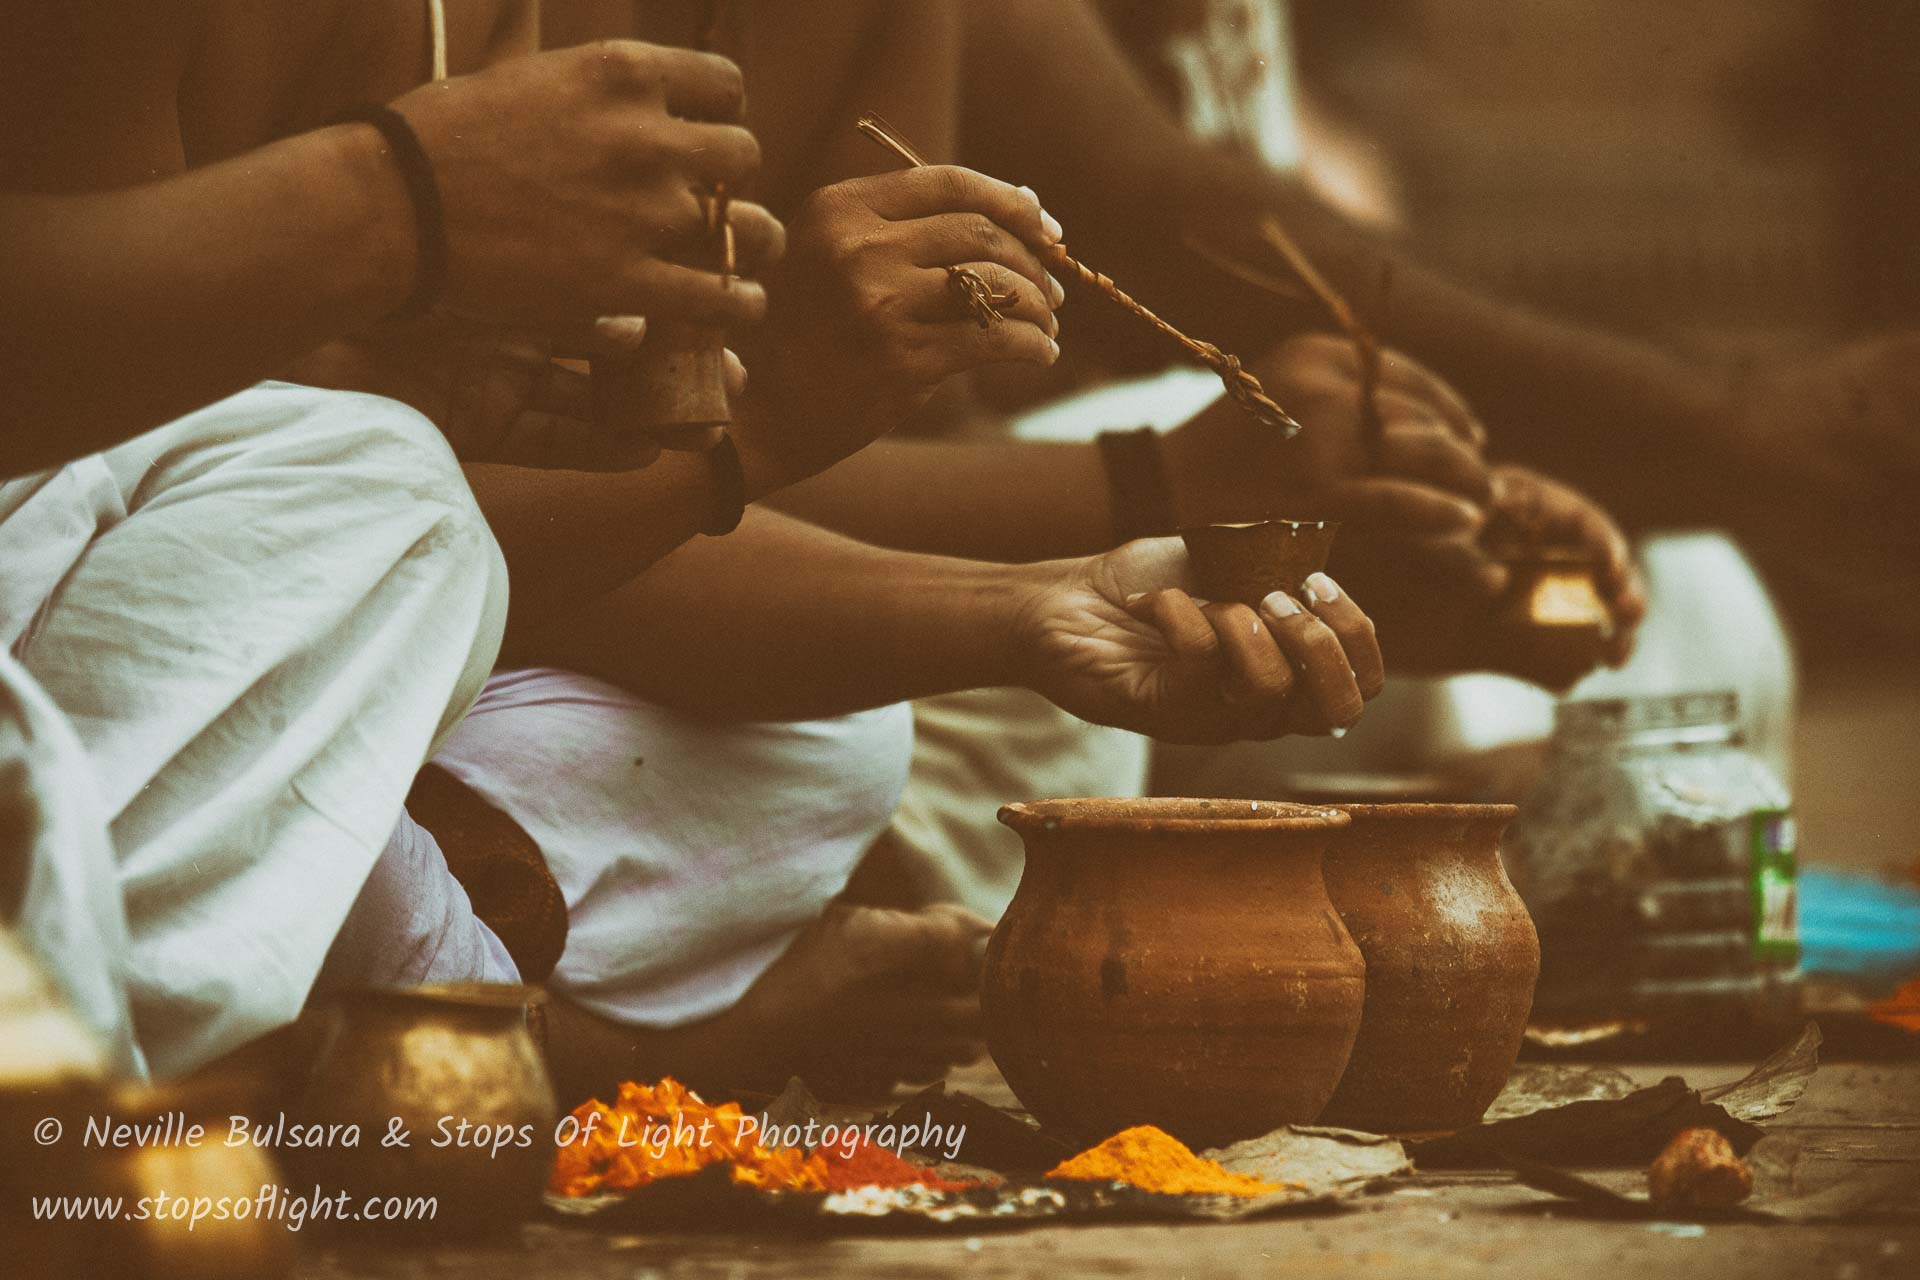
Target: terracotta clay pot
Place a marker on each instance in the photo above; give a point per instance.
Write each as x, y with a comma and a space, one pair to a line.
1175, 963
1249, 562
1451, 962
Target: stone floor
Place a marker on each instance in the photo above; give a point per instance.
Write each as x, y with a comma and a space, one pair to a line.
1854, 1115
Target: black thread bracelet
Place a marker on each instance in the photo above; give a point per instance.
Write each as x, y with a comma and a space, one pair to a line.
728, 501
429, 215
1137, 486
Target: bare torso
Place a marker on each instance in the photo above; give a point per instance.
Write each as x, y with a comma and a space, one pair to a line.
264, 71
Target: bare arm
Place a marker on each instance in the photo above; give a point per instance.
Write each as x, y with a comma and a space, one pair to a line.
133, 292
1050, 97
781, 620
994, 500
127, 307
125, 310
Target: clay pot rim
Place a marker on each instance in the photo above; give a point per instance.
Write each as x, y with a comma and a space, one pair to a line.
1170, 814
1447, 809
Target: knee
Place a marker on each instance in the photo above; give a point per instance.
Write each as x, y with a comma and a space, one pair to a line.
406, 465
384, 472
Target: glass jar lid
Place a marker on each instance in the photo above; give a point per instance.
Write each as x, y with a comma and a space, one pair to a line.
1705, 716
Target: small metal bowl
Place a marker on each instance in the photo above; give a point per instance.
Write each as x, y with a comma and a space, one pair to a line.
1246, 563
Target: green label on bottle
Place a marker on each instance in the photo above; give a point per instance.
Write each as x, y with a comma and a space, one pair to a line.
1776, 918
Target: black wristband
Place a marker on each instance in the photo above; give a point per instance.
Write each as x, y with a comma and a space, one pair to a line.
429, 216
728, 502
1137, 487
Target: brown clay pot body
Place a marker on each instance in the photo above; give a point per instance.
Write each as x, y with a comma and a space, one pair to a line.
1451, 962
1175, 963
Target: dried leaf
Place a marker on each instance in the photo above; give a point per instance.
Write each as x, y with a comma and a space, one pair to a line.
1776, 1084
1536, 1086
1315, 1159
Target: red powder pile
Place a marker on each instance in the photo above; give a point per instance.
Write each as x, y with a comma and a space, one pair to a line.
875, 1166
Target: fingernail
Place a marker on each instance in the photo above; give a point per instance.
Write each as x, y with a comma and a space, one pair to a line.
1056, 291
626, 331
1338, 731
1281, 605
1136, 597
1320, 589
1049, 223
1053, 347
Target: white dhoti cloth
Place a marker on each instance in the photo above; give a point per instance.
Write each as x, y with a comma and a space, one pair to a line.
413, 923
54, 860
690, 852
258, 620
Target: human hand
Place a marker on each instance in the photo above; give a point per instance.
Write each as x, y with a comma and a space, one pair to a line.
1427, 477
1438, 595
570, 181
864, 321
1117, 639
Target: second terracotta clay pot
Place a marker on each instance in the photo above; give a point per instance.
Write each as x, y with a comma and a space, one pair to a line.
1451, 961
1175, 963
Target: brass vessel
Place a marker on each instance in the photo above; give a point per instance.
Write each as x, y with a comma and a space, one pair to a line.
1552, 626
1249, 562
451, 1099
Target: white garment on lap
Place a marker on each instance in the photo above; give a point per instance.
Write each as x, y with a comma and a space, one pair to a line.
55, 856
691, 852
413, 923
258, 619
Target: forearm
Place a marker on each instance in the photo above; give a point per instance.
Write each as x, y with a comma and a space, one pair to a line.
782, 620
128, 308
571, 537
1546, 384
1008, 500
1543, 381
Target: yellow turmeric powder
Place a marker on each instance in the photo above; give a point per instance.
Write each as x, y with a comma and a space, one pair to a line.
1154, 1160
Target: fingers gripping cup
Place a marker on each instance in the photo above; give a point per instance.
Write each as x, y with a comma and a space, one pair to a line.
1246, 563
671, 390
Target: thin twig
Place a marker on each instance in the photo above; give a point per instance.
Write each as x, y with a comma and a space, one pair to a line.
1243, 387
1252, 276
1366, 347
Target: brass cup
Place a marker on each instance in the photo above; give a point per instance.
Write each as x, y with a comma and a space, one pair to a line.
1246, 563
1552, 625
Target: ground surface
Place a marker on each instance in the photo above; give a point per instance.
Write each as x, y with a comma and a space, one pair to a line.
1431, 1226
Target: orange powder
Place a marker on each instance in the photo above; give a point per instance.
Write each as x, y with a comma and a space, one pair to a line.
663, 1132
1153, 1160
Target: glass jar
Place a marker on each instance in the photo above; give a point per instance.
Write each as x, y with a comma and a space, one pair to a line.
1657, 857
